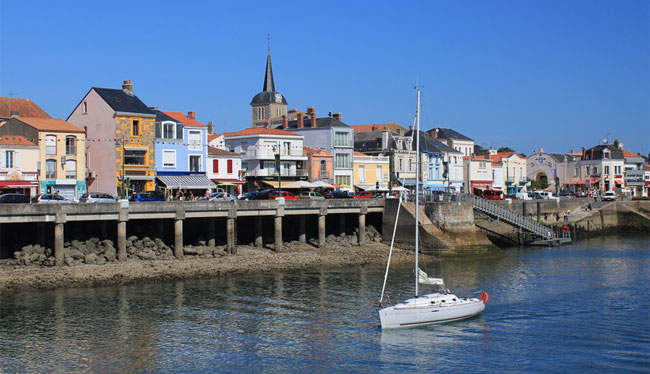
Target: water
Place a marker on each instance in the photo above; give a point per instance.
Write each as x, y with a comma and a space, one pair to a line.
572, 309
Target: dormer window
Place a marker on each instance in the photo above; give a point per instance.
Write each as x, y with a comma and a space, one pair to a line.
606, 155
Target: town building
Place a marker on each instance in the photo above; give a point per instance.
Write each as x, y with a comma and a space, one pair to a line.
371, 172
510, 172
319, 165
441, 165
330, 134
603, 165
181, 152
120, 148
224, 169
61, 161
557, 170
454, 139
19, 160
260, 148
393, 128
477, 173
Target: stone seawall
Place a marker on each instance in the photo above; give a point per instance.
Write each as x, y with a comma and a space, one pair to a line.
445, 228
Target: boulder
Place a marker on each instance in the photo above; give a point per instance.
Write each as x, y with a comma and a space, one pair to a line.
90, 258
110, 253
51, 261
190, 250
91, 245
69, 261
146, 255
101, 260
34, 257
76, 254
49, 252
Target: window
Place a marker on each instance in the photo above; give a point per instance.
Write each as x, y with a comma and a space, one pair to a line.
576, 172
595, 169
215, 166
229, 166
135, 127
410, 165
70, 145
343, 180
617, 170
342, 160
380, 174
50, 144
341, 139
135, 157
169, 130
194, 141
169, 158
606, 155
9, 159
50, 169
195, 164
362, 174
481, 165
85, 108
606, 170
323, 169
71, 169
260, 113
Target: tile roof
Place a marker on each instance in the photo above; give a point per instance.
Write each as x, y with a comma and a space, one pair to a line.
187, 121
221, 152
447, 133
15, 140
259, 131
392, 127
24, 108
213, 137
630, 154
122, 101
49, 124
319, 152
320, 123
357, 153
500, 155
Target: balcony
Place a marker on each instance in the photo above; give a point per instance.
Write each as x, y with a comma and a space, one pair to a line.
273, 173
269, 153
324, 174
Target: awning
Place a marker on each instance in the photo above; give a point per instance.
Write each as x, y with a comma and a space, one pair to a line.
285, 184
186, 181
18, 184
226, 181
435, 188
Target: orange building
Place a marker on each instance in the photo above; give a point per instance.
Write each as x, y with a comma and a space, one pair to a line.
319, 165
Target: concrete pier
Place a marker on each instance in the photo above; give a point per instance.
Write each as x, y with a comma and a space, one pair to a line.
302, 235
362, 225
178, 234
59, 238
259, 232
123, 217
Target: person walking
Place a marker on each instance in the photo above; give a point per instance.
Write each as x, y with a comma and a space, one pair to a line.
566, 216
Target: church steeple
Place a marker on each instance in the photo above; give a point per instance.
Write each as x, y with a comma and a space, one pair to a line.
269, 86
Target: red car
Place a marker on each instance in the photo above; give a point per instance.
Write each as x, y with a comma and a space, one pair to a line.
364, 195
287, 195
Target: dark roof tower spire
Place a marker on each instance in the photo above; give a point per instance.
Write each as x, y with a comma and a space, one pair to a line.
269, 85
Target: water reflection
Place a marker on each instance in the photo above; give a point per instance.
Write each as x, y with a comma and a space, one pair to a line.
550, 309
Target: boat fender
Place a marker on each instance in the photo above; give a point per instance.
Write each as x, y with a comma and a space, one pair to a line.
484, 297
565, 229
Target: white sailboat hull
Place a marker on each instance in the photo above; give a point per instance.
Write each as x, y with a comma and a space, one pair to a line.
429, 309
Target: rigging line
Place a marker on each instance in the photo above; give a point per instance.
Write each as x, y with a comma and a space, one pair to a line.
390, 252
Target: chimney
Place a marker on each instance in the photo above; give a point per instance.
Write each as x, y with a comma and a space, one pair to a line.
583, 153
191, 115
285, 122
312, 113
210, 128
337, 116
293, 110
301, 122
128, 86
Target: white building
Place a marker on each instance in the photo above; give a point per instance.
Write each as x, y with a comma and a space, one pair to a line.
259, 147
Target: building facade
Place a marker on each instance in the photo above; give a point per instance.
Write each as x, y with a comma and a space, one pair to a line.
61, 146
319, 165
371, 172
19, 160
120, 130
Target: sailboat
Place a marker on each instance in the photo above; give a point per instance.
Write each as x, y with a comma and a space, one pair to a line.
441, 305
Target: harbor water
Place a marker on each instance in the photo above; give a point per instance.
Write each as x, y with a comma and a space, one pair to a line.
582, 308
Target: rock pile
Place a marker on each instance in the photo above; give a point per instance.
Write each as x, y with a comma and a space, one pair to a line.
99, 252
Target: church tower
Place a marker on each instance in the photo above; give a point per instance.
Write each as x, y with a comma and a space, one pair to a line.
268, 106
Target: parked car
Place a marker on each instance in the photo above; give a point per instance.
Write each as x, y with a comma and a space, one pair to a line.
249, 195
523, 196
219, 196
609, 196
544, 195
364, 195
96, 197
10, 198
49, 198
311, 195
493, 195
285, 194
568, 195
147, 196
338, 195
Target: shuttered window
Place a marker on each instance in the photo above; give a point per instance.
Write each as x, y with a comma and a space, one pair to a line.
229, 166
215, 166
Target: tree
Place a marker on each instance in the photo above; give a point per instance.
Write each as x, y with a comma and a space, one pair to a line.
505, 149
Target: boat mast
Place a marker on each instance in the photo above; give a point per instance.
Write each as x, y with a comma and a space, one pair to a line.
417, 189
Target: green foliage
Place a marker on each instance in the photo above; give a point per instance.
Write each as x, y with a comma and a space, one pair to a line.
539, 185
505, 149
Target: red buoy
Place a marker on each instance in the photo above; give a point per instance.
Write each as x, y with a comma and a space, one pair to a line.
484, 297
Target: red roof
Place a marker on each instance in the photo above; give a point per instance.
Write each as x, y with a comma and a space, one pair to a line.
259, 131
49, 124
15, 140
357, 153
630, 154
212, 137
24, 108
221, 152
378, 127
319, 152
182, 118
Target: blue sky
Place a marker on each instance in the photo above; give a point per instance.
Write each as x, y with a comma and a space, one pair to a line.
523, 74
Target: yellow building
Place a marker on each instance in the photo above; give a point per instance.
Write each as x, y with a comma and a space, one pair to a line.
370, 172
62, 153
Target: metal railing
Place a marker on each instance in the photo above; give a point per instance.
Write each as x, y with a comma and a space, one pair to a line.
504, 214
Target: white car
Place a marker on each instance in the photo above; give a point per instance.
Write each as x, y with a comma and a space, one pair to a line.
523, 196
609, 196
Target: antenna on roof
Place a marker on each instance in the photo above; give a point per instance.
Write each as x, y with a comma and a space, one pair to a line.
268, 37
